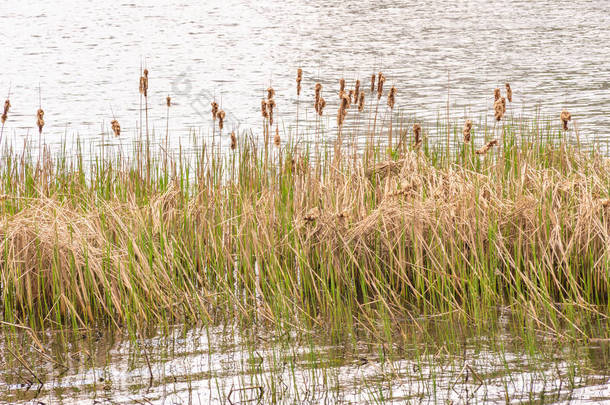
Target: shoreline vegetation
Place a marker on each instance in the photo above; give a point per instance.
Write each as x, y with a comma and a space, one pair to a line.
325, 234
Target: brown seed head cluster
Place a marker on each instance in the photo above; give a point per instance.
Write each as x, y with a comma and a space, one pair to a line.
357, 91
321, 104
144, 83
487, 147
116, 127
40, 119
466, 131
276, 139
318, 98
264, 112
392, 97
509, 93
270, 107
221, 119
417, 140
233, 141
7, 106
380, 82
299, 78
361, 102
168, 101
270, 93
565, 117
341, 86
497, 94
373, 83
342, 113
214, 105
499, 109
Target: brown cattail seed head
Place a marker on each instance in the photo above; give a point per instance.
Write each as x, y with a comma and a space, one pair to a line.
270, 93
299, 78
321, 105
497, 94
264, 108
357, 90
116, 128
146, 73
40, 119
416, 135
233, 141
392, 97
498, 110
7, 106
373, 83
350, 94
276, 138
270, 107
509, 93
487, 147
565, 117
318, 95
341, 85
361, 102
168, 101
214, 105
380, 83
503, 100
466, 131
221, 119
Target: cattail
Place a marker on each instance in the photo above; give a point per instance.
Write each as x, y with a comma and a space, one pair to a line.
466, 131
299, 78
270, 93
361, 102
116, 128
40, 119
341, 94
351, 97
342, 113
416, 136
264, 108
7, 105
357, 90
276, 138
380, 83
144, 83
503, 101
321, 105
498, 110
233, 141
373, 83
487, 147
168, 101
497, 94
270, 107
509, 93
318, 95
565, 117
214, 110
341, 85
392, 97
221, 119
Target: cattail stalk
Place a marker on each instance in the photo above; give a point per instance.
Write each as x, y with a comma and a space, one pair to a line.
7, 106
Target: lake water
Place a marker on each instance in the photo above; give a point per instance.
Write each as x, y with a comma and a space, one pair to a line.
86, 57
229, 366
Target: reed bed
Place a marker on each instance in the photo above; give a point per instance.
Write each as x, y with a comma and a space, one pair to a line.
317, 234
